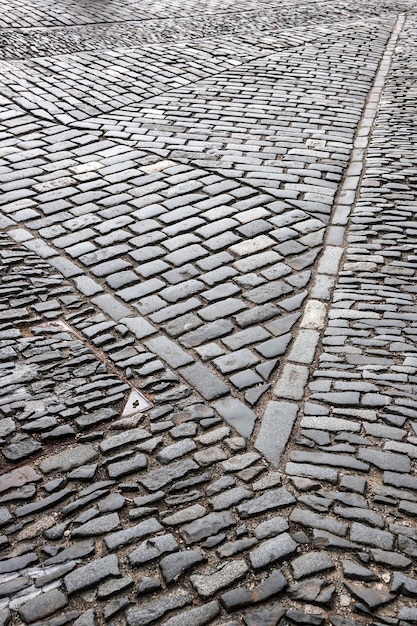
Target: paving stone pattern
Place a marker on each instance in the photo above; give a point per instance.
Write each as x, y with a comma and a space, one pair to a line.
176, 182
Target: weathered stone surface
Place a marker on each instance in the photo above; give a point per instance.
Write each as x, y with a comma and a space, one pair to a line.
18, 563
68, 459
229, 498
130, 466
151, 549
42, 606
128, 437
229, 572
239, 598
196, 617
206, 526
272, 550
372, 598
185, 515
371, 536
19, 477
311, 563
271, 499
262, 617
315, 590
357, 572
173, 565
92, 573
133, 533
97, 526
159, 478
155, 609
240, 462
271, 527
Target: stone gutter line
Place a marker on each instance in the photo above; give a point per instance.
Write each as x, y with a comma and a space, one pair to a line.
280, 415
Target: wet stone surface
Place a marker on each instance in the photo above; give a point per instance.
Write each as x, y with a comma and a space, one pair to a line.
176, 182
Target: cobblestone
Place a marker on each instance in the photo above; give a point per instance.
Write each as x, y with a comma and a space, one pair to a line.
207, 311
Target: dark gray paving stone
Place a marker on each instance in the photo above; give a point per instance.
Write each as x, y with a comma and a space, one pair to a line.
78, 550
21, 449
310, 564
173, 565
196, 617
319, 522
130, 466
153, 548
176, 450
229, 498
372, 598
321, 458
386, 460
153, 610
86, 619
206, 526
211, 455
159, 478
14, 586
69, 459
323, 539
229, 572
168, 351
91, 574
390, 559
238, 360
298, 617
45, 503
271, 527
206, 333
188, 514
240, 462
240, 598
42, 606
113, 586
97, 526
370, 536
237, 414
262, 617
271, 499
314, 590
133, 533
204, 381
231, 548
127, 437
361, 515
276, 427
357, 572
272, 550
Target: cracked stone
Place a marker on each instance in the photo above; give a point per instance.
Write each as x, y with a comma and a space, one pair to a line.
173, 565
229, 572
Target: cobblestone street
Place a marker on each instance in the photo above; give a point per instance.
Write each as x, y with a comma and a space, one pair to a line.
208, 322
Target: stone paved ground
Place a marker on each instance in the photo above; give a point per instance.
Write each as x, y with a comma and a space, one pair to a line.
208, 408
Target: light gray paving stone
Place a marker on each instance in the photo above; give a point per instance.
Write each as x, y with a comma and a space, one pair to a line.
272, 550
276, 428
92, 573
229, 572
153, 610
